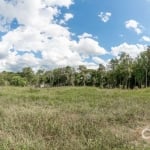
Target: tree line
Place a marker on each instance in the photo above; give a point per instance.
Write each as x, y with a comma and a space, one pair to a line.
122, 72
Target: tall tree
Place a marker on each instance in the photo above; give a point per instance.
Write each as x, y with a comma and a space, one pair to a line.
28, 73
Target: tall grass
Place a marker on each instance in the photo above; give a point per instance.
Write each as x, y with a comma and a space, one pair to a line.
73, 118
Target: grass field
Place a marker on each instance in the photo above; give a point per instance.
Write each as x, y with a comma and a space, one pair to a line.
73, 118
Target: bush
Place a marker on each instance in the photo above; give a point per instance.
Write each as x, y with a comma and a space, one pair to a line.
18, 81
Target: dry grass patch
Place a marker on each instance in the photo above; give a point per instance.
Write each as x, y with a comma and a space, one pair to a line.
73, 119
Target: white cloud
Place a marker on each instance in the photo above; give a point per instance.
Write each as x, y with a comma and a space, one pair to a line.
4, 48
105, 16
60, 3
66, 18
27, 12
99, 61
134, 25
90, 65
19, 61
132, 50
39, 41
37, 18
146, 38
85, 35
88, 46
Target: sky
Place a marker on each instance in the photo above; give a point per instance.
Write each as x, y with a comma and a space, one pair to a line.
46, 34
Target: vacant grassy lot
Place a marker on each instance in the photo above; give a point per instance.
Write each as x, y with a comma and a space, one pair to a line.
73, 118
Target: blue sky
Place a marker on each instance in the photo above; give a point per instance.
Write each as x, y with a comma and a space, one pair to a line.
110, 33
54, 33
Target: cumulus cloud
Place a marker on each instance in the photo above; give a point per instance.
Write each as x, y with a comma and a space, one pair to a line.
132, 50
27, 12
4, 49
98, 60
39, 40
146, 38
134, 25
88, 46
104, 16
60, 3
85, 35
66, 18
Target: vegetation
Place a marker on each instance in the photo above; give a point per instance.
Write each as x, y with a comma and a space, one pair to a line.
73, 118
77, 117
123, 72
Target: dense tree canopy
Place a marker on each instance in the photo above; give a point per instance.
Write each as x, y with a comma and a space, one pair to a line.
122, 72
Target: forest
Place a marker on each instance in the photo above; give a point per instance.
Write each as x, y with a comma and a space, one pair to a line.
122, 72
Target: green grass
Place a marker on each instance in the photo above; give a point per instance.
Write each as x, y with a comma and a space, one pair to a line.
73, 118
